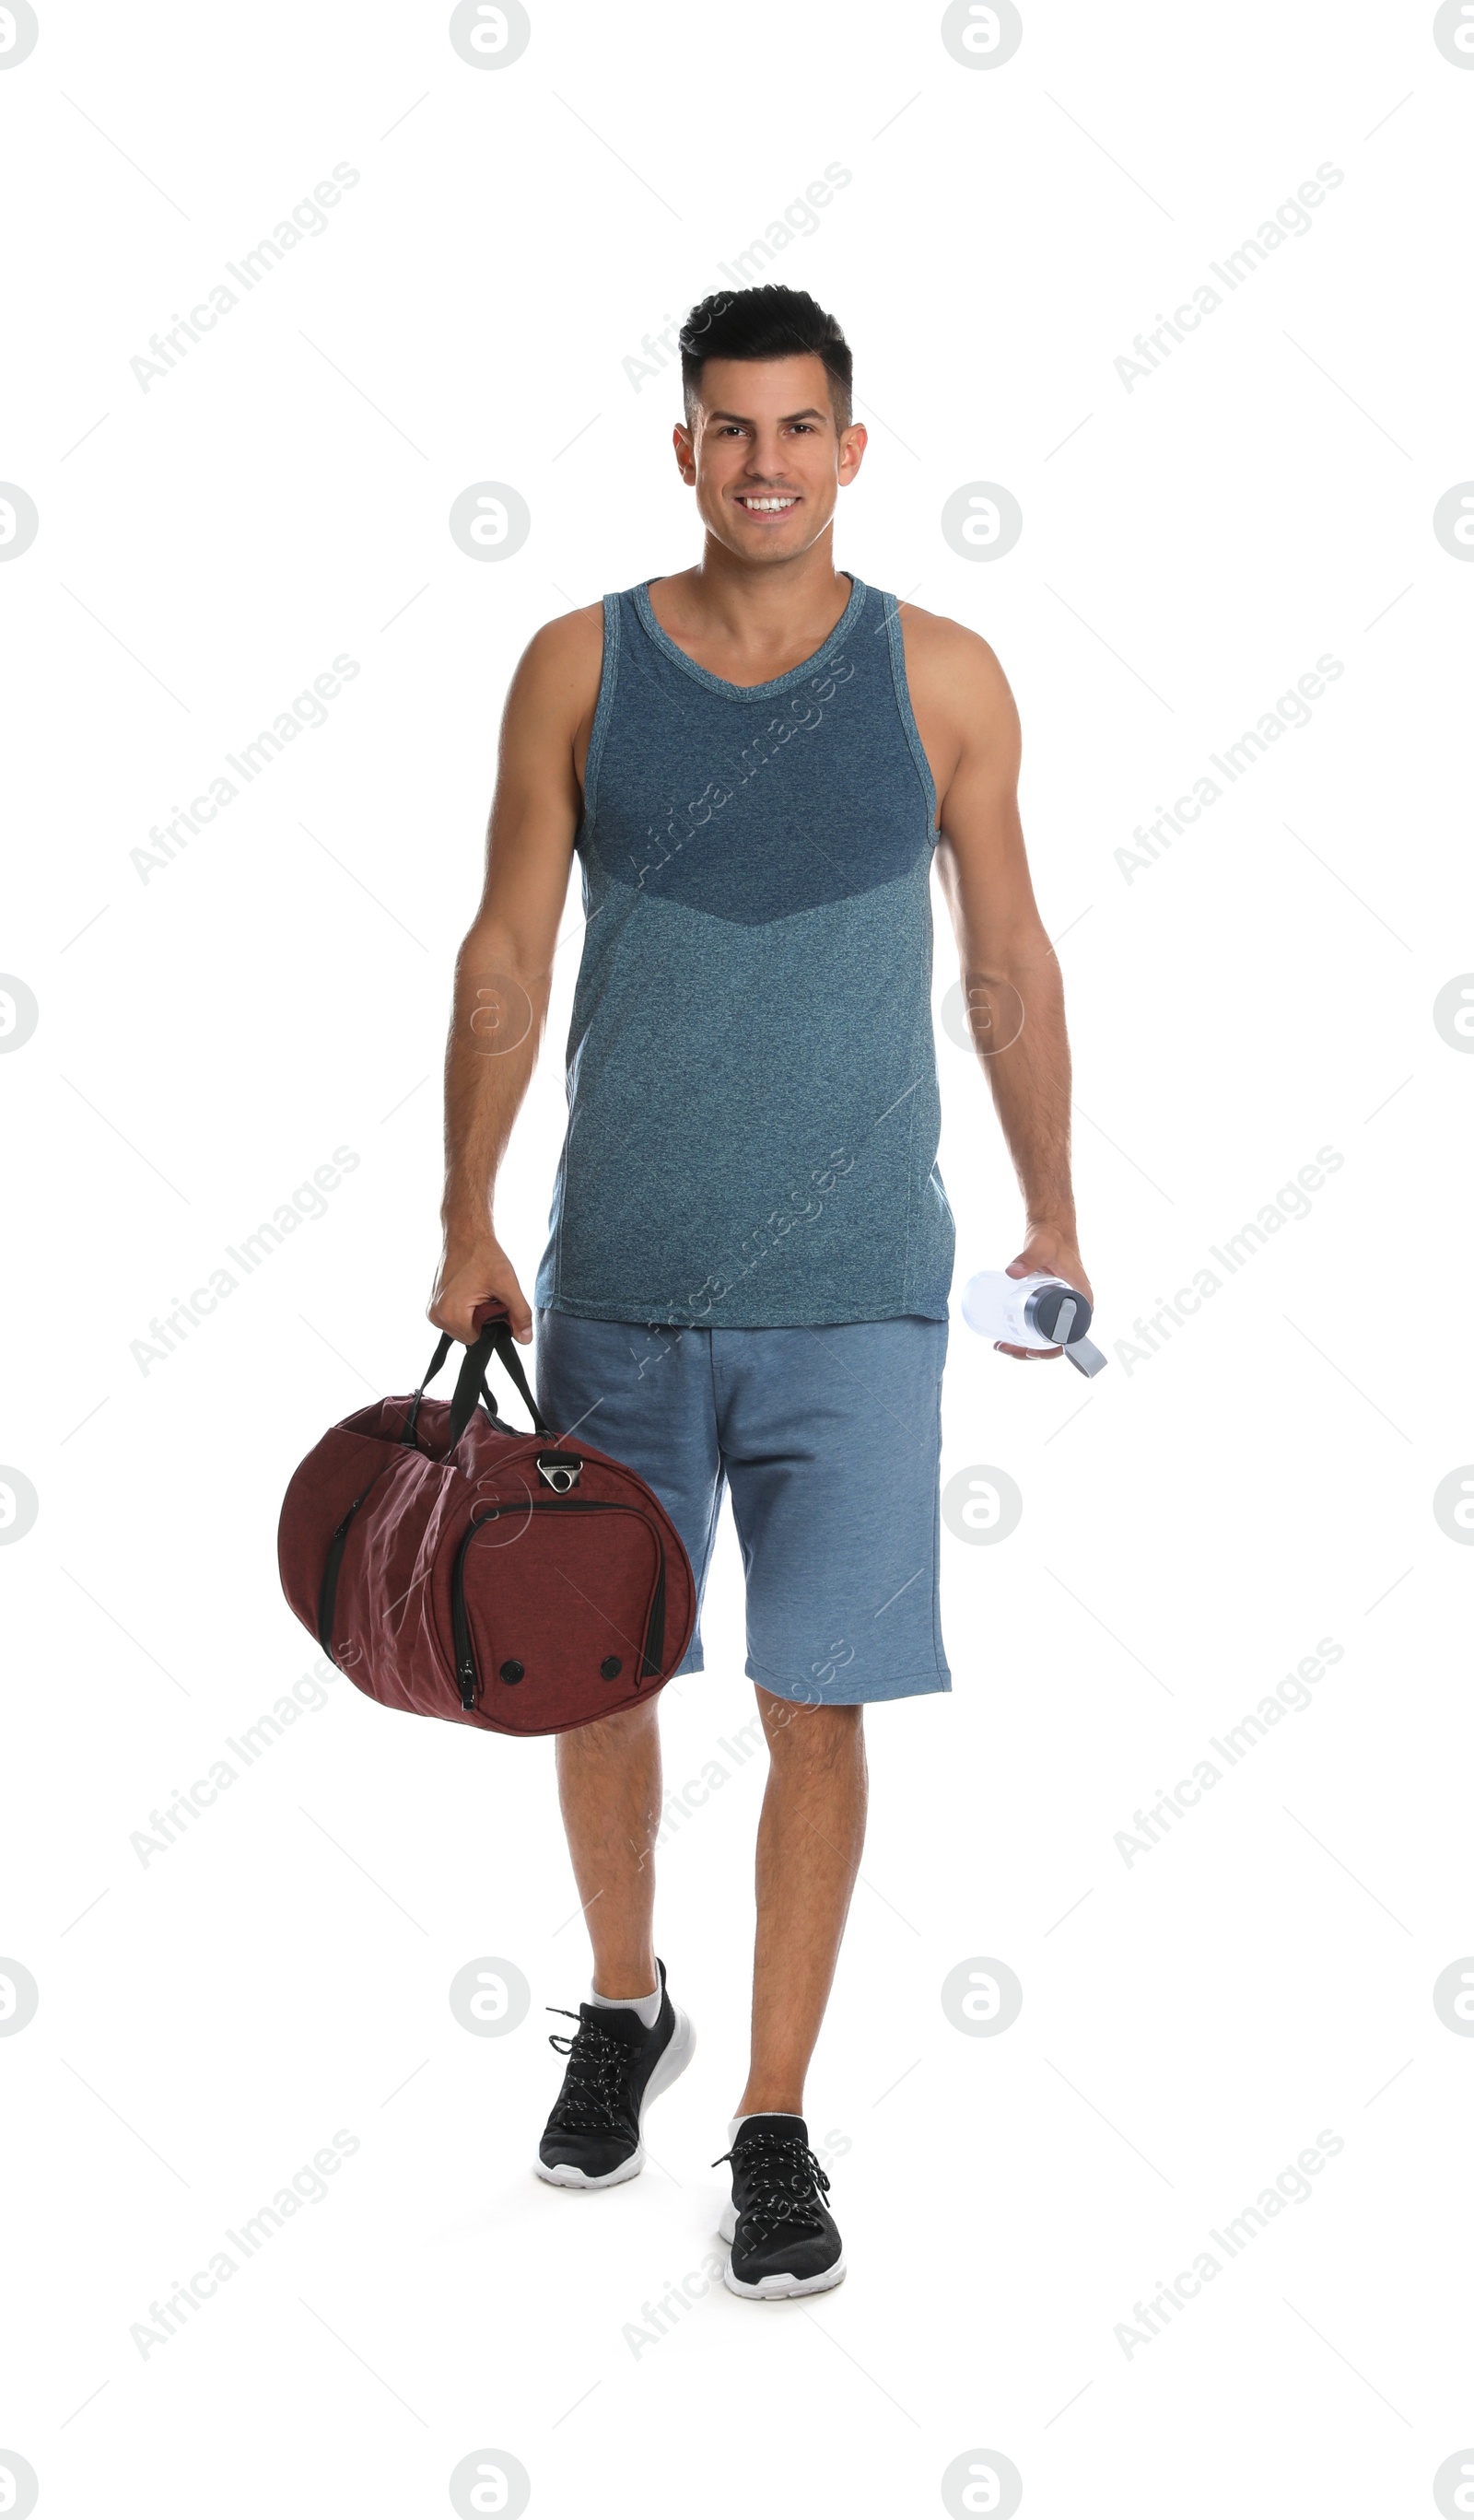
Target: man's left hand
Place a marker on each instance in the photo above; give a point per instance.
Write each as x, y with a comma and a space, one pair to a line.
1050, 1252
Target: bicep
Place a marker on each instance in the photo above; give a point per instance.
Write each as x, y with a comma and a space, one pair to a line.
536, 808
981, 858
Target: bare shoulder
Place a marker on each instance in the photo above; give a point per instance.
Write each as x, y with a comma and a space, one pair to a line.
964, 709
561, 663
950, 664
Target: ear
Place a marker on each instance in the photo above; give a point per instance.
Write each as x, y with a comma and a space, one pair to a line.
853, 443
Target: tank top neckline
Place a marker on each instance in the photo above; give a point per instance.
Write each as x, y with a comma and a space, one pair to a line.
751, 691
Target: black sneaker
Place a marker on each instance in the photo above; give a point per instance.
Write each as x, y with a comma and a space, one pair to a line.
784, 2238
616, 2068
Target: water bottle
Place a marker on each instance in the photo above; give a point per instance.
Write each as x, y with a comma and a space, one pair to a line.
1037, 1310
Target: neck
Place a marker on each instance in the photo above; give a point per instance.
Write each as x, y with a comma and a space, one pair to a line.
734, 599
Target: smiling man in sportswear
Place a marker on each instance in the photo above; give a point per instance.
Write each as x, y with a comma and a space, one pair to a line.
756, 761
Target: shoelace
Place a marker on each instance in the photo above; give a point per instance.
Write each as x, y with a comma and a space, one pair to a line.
786, 2183
593, 2088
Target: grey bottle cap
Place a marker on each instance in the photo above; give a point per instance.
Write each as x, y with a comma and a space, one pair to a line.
1043, 1308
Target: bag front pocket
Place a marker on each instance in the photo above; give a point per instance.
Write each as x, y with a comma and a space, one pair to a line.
559, 1616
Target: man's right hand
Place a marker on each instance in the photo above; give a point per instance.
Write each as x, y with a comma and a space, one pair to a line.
470, 1276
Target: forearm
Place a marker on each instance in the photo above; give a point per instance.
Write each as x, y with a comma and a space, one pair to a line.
1017, 1013
495, 1034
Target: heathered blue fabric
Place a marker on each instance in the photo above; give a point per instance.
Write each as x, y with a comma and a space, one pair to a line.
828, 1441
752, 1072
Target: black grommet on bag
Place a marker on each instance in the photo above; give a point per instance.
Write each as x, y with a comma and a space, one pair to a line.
611, 1667
511, 1670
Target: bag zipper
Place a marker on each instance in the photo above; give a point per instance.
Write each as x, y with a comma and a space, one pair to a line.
327, 1598
465, 1657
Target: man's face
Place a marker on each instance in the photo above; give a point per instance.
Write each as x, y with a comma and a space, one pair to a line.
767, 456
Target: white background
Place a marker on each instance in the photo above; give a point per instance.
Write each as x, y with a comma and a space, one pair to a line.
1193, 1523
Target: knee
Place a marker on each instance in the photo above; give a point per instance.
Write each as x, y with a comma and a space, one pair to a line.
801, 1734
612, 1737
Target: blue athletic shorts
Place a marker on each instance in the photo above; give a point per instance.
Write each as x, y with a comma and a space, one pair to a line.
830, 1441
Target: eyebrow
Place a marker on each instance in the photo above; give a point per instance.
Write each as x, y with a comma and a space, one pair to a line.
813, 412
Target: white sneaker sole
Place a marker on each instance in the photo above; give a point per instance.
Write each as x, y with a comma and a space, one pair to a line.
783, 2287
772, 2287
675, 2057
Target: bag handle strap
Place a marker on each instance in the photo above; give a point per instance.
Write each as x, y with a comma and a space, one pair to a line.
492, 1323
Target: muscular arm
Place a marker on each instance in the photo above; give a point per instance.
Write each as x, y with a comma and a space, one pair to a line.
1010, 975
503, 972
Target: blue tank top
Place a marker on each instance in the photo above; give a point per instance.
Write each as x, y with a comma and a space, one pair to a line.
752, 1070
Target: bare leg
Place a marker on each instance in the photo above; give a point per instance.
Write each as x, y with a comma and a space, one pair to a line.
609, 1787
809, 1849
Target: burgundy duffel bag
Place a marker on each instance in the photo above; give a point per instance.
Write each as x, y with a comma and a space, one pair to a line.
452, 1566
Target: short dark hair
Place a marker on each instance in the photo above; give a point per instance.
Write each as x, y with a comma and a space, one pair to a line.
769, 323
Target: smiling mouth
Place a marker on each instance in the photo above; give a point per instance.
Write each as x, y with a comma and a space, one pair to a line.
768, 504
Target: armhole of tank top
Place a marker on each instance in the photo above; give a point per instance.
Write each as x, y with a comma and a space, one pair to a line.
908, 715
602, 707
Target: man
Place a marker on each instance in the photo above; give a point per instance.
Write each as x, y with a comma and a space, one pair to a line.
746, 1278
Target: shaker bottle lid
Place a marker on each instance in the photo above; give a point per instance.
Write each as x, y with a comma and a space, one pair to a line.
1048, 1303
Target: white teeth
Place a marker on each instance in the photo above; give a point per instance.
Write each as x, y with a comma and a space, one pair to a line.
764, 507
